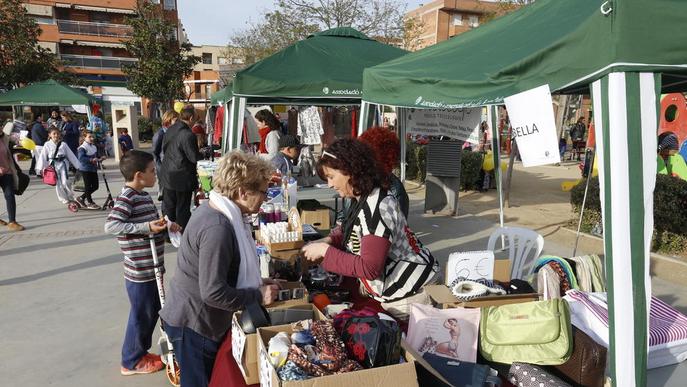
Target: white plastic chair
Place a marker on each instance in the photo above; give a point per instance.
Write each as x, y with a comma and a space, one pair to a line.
521, 243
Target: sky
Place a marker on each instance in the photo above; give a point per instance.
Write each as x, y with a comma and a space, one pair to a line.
212, 22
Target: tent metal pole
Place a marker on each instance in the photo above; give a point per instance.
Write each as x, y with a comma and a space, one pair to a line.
364, 114
402, 138
240, 122
584, 202
496, 151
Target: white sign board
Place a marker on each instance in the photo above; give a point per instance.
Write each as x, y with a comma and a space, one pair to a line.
238, 344
534, 127
458, 124
471, 265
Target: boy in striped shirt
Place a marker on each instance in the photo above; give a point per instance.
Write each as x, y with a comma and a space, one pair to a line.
133, 219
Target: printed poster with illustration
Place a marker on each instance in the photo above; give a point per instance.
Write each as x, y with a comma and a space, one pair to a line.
451, 333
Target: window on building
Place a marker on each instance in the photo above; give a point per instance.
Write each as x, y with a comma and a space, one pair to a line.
237, 61
457, 19
44, 20
170, 5
208, 91
474, 21
222, 61
207, 58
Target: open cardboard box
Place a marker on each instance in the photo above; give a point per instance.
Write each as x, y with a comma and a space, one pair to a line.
441, 295
397, 375
244, 347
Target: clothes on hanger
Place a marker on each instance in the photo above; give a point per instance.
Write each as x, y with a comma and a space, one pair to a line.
310, 126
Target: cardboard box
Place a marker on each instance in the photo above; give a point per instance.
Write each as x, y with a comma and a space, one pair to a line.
441, 295
398, 375
319, 219
244, 347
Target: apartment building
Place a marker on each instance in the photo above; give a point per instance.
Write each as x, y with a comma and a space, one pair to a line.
216, 68
88, 36
443, 19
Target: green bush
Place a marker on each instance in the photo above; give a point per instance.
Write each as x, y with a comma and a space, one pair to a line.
411, 161
471, 170
670, 211
421, 161
147, 127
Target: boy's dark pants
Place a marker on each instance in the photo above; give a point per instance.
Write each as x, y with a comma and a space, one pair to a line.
90, 180
143, 315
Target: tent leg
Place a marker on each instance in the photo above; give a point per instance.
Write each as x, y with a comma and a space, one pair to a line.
402, 138
364, 114
626, 107
492, 114
584, 202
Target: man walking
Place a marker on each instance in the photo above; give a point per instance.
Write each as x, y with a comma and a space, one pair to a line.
178, 177
39, 135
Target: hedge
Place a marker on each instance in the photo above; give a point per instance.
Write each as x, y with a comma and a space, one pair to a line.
470, 164
670, 211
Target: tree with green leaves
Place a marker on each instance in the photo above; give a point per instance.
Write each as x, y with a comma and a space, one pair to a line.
163, 62
294, 20
22, 60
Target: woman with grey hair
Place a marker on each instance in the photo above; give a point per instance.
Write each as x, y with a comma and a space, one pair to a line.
218, 270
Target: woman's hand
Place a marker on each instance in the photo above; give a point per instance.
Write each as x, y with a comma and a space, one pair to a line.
315, 251
269, 293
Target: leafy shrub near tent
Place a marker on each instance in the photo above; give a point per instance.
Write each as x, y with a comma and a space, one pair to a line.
147, 127
471, 170
670, 212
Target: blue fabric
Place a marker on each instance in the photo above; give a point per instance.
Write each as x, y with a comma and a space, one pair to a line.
158, 138
71, 135
39, 134
7, 184
195, 354
143, 315
85, 160
126, 141
683, 150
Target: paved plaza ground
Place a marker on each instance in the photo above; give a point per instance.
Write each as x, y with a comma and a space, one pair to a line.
64, 307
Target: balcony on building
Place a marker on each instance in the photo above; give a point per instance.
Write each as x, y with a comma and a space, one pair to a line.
95, 62
94, 29
93, 23
95, 57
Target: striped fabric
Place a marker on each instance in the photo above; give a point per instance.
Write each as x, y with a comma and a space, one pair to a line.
666, 324
409, 265
137, 207
626, 122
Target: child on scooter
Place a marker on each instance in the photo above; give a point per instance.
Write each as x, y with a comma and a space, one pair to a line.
133, 218
87, 154
58, 154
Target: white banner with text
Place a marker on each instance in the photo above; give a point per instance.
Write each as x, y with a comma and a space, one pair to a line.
457, 124
533, 126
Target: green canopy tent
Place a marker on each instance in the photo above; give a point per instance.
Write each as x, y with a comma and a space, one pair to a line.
45, 93
324, 69
221, 96
625, 53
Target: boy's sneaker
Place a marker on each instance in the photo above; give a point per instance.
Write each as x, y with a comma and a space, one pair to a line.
3, 223
80, 202
93, 206
148, 364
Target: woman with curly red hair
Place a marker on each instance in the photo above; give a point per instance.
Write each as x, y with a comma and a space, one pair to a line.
374, 243
387, 149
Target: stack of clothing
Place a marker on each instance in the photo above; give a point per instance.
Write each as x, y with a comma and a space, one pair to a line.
555, 275
314, 349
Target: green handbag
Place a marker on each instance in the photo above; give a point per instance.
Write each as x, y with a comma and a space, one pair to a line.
537, 332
